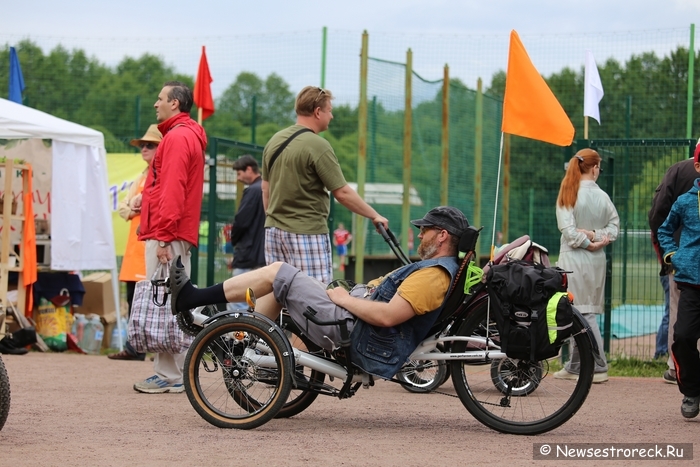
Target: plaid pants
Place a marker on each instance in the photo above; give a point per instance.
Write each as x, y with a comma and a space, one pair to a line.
308, 253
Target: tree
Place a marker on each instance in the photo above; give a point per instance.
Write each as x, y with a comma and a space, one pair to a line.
56, 83
274, 102
122, 101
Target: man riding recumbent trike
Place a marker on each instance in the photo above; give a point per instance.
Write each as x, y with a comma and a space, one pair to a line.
245, 368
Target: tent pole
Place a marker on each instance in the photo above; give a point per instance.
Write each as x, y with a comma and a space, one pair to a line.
117, 306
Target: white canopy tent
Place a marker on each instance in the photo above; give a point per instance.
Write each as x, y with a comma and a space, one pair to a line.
81, 224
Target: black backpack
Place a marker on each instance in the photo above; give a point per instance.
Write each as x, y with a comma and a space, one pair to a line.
531, 307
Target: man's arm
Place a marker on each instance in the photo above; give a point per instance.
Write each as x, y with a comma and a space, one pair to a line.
265, 194
379, 314
351, 200
174, 174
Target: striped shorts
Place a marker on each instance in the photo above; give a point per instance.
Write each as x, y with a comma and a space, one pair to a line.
308, 253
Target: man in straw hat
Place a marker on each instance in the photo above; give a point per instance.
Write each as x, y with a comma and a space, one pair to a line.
134, 262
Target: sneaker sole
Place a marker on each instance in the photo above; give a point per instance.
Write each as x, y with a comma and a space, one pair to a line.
566, 377
690, 414
174, 390
670, 381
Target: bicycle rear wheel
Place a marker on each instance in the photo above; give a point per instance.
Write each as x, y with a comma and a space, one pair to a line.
237, 374
523, 398
515, 376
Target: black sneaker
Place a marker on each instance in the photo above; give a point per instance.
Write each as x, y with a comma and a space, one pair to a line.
9, 347
670, 376
690, 406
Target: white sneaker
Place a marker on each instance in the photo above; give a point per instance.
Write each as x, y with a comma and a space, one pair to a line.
563, 374
600, 377
155, 385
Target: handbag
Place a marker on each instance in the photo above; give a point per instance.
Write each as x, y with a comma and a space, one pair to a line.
152, 325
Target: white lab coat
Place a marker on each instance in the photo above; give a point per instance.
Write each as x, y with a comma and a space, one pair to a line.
593, 211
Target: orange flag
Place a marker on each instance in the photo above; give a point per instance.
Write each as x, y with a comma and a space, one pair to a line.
529, 107
29, 273
202, 88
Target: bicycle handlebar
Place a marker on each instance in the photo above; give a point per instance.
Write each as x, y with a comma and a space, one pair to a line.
393, 242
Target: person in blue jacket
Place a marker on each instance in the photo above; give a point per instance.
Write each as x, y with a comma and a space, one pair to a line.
684, 257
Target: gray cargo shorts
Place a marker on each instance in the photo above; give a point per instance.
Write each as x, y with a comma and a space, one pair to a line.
296, 291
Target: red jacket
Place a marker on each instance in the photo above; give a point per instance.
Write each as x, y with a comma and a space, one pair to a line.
172, 198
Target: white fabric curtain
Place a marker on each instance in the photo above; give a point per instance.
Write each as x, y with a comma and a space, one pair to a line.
81, 225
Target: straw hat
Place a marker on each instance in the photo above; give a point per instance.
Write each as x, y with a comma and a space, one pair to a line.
152, 136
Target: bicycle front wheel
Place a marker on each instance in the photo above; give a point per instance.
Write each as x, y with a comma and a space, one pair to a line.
307, 379
237, 374
517, 396
4, 394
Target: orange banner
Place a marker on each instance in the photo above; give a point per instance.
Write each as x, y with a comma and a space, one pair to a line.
529, 106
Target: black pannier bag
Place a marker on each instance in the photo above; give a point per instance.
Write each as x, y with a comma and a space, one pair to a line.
531, 307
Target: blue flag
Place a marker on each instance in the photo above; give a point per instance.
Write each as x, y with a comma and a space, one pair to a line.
16, 78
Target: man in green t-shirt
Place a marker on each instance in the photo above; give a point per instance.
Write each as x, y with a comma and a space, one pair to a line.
296, 182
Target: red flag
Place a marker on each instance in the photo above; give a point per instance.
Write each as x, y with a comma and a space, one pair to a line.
530, 109
202, 88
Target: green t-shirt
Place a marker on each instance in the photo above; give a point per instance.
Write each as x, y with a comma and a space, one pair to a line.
299, 182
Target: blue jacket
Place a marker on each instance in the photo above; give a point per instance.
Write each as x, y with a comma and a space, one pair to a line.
382, 351
683, 256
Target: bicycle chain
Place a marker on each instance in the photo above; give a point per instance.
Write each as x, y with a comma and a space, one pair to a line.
456, 396
435, 391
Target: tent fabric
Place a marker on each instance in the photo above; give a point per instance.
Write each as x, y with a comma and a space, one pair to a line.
81, 222
81, 225
19, 121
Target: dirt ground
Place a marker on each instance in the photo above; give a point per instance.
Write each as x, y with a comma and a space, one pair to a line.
78, 410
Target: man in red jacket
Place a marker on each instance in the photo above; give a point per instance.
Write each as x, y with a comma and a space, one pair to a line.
171, 207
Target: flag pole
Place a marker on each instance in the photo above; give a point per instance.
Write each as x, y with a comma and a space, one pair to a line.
495, 204
199, 115
585, 127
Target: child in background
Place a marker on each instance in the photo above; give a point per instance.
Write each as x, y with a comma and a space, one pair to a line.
341, 238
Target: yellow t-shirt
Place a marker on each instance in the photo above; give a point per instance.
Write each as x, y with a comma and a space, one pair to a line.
425, 289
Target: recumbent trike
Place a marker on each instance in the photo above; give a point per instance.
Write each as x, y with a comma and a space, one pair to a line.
243, 369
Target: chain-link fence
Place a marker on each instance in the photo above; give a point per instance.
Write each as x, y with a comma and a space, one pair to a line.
111, 85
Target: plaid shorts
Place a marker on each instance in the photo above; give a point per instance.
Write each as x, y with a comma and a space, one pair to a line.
308, 253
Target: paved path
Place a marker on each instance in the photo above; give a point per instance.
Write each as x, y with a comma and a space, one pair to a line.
73, 410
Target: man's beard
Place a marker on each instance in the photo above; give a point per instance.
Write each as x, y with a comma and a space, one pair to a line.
427, 250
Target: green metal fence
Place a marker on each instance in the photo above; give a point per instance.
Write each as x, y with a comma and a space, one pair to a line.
648, 76
218, 211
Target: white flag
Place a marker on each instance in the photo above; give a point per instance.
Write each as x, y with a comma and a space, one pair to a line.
592, 89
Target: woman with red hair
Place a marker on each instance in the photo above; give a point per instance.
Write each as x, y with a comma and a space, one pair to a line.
588, 221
